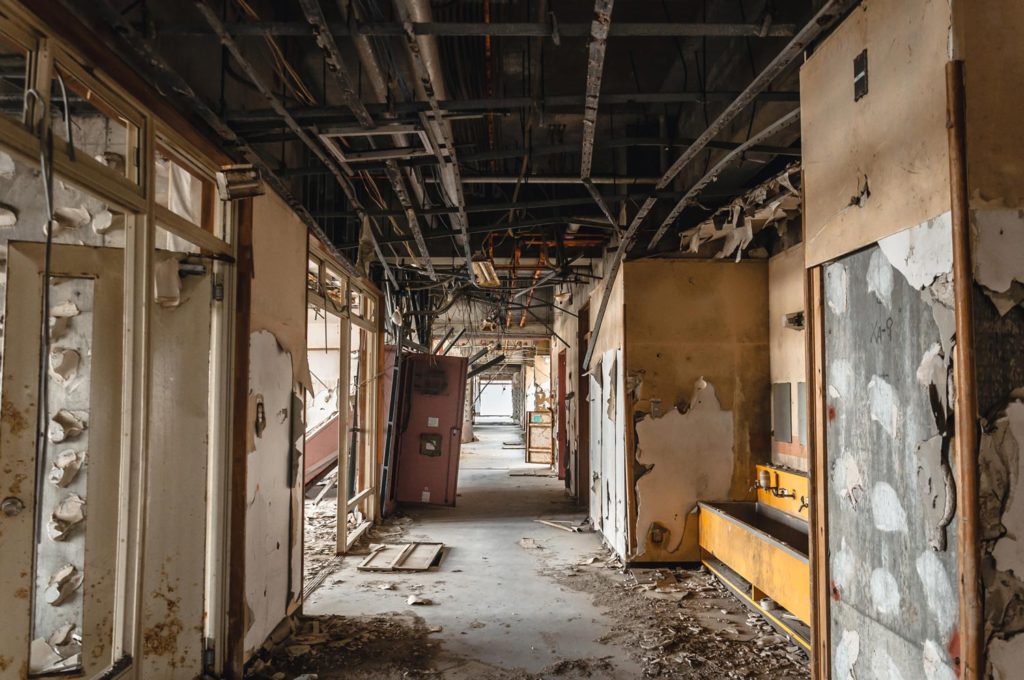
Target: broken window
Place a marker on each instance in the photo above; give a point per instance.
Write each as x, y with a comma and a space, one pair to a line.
13, 74
92, 125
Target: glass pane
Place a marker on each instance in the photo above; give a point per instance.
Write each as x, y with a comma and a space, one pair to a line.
166, 240
183, 192
13, 73
95, 127
335, 287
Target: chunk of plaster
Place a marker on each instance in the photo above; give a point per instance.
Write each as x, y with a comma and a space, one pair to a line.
73, 218
8, 217
6, 166
64, 364
167, 283
63, 584
68, 514
65, 425
102, 221
66, 466
64, 310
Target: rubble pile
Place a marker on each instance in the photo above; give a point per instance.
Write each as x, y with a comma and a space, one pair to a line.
684, 623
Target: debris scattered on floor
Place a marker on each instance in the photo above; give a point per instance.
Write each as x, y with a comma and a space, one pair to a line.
417, 600
336, 647
680, 623
530, 544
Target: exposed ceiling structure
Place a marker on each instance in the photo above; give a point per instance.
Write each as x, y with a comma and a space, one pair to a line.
488, 150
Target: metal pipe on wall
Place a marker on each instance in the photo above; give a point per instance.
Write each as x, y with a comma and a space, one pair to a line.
972, 620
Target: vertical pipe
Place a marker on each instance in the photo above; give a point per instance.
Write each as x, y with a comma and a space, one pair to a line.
972, 653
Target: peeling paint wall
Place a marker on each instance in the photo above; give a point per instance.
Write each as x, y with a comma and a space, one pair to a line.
891, 526
278, 373
690, 324
788, 352
881, 164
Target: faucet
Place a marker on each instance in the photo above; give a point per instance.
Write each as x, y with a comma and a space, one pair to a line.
764, 481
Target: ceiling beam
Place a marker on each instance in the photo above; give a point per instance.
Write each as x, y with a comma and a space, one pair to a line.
329, 115
502, 29
554, 149
823, 19
595, 70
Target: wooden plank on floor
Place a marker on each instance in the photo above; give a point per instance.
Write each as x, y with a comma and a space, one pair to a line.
421, 557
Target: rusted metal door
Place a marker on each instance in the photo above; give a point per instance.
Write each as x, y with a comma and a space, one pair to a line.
430, 439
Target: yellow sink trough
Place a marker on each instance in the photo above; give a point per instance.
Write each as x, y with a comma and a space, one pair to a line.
768, 549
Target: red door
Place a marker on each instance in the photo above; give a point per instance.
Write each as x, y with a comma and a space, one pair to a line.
562, 439
430, 428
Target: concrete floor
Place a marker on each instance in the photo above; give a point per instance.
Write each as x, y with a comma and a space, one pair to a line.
492, 598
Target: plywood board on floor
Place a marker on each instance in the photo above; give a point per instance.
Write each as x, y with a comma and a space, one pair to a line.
403, 557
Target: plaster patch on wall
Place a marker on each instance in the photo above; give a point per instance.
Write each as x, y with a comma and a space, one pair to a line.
921, 253
942, 601
885, 592
880, 278
883, 666
885, 406
836, 287
846, 655
935, 666
998, 244
689, 457
840, 378
886, 509
844, 568
847, 478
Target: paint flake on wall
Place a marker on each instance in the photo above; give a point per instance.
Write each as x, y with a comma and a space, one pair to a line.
922, 253
998, 264
689, 457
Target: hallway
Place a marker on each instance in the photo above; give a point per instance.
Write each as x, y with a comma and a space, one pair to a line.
513, 598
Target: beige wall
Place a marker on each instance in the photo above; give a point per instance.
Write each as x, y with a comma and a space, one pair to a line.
687, 320
788, 351
895, 137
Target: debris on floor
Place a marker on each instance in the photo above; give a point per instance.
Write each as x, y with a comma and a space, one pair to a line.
572, 526
680, 623
403, 557
336, 647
